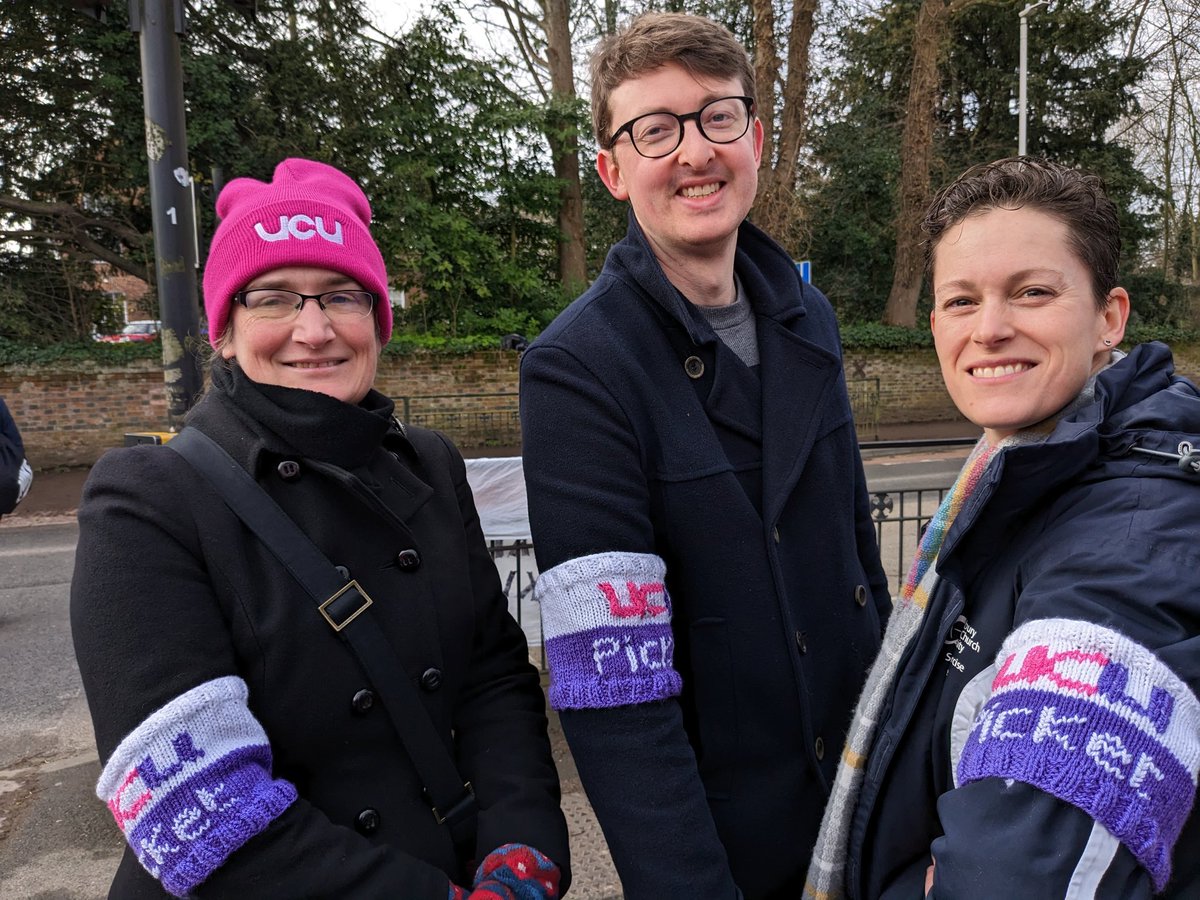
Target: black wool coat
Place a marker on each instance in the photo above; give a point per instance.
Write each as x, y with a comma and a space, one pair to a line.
171, 590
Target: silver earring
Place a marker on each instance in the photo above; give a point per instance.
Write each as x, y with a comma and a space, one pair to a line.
1107, 342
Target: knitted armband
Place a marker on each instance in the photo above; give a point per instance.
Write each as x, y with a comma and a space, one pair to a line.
606, 619
1087, 715
193, 783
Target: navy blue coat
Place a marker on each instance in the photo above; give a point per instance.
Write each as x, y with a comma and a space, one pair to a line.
1077, 528
645, 434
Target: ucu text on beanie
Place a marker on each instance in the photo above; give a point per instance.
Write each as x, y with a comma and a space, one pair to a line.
309, 214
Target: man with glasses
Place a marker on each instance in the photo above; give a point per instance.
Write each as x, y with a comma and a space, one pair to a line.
710, 585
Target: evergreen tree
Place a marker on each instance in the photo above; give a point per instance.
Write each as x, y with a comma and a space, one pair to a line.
439, 142
1079, 87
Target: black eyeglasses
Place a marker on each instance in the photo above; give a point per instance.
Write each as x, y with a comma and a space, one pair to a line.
657, 134
276, 303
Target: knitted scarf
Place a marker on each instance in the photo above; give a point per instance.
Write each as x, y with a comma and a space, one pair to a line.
825, 873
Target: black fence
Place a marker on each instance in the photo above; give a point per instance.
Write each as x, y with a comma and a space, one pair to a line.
470, 420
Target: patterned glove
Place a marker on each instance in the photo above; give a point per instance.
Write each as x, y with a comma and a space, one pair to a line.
512, 872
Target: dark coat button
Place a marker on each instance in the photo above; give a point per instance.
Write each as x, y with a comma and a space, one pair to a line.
408, 559
363, 701
367, 821
860, 595
819, 748
801, 642
289, 470
694, 366
431, 679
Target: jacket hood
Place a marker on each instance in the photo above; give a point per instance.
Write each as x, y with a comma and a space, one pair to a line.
1148, 405
1138, 402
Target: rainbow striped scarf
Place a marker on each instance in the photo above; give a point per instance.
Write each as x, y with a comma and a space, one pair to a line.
825, 872
916, 588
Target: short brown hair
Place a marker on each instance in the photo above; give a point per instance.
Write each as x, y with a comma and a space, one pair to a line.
1075, 198
653, 39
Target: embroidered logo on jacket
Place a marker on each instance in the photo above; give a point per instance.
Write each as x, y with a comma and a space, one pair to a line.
962, 637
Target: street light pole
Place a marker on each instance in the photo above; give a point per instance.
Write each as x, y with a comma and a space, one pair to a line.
1021, 104
159, 23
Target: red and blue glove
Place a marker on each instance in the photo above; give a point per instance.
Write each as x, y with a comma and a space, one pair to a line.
512, 872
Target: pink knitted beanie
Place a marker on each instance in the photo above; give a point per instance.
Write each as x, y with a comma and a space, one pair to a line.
310, 214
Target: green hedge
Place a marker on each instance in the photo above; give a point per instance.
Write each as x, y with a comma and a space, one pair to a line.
871, 336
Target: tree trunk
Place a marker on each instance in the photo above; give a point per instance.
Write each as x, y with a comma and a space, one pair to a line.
777, 209
916, 154
1195, 249
766, 77
563, 139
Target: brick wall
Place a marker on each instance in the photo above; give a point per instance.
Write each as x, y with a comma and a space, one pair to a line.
910, 387
68, 416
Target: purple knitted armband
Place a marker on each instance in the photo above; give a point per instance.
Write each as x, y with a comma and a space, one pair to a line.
193, 783
1087, 715
606, 619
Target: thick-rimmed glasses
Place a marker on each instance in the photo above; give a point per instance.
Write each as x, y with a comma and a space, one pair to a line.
276, 303
657, 134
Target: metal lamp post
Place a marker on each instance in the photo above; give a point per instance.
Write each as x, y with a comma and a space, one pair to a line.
1021, 105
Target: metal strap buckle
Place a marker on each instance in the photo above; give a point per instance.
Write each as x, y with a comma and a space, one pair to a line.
463, 805
342, 614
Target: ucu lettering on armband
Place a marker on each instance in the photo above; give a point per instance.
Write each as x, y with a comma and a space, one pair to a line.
1095, 719
300, 227
193, 783
606, 620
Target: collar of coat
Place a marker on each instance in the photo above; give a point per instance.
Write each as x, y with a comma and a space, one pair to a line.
763, 266
250, 419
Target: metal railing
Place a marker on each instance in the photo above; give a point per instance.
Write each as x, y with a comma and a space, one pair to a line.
518, 572
900, 520
470, 420
865, 405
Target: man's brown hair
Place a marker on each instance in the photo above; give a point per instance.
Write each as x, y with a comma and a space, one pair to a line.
648, 42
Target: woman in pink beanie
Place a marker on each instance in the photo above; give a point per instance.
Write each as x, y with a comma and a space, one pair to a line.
264, 737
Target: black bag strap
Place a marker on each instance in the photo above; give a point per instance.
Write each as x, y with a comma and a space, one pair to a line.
342, 604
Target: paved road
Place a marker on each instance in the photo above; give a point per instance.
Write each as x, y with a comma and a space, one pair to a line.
56, 839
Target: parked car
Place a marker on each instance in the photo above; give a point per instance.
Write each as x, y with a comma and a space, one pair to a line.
140, 330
